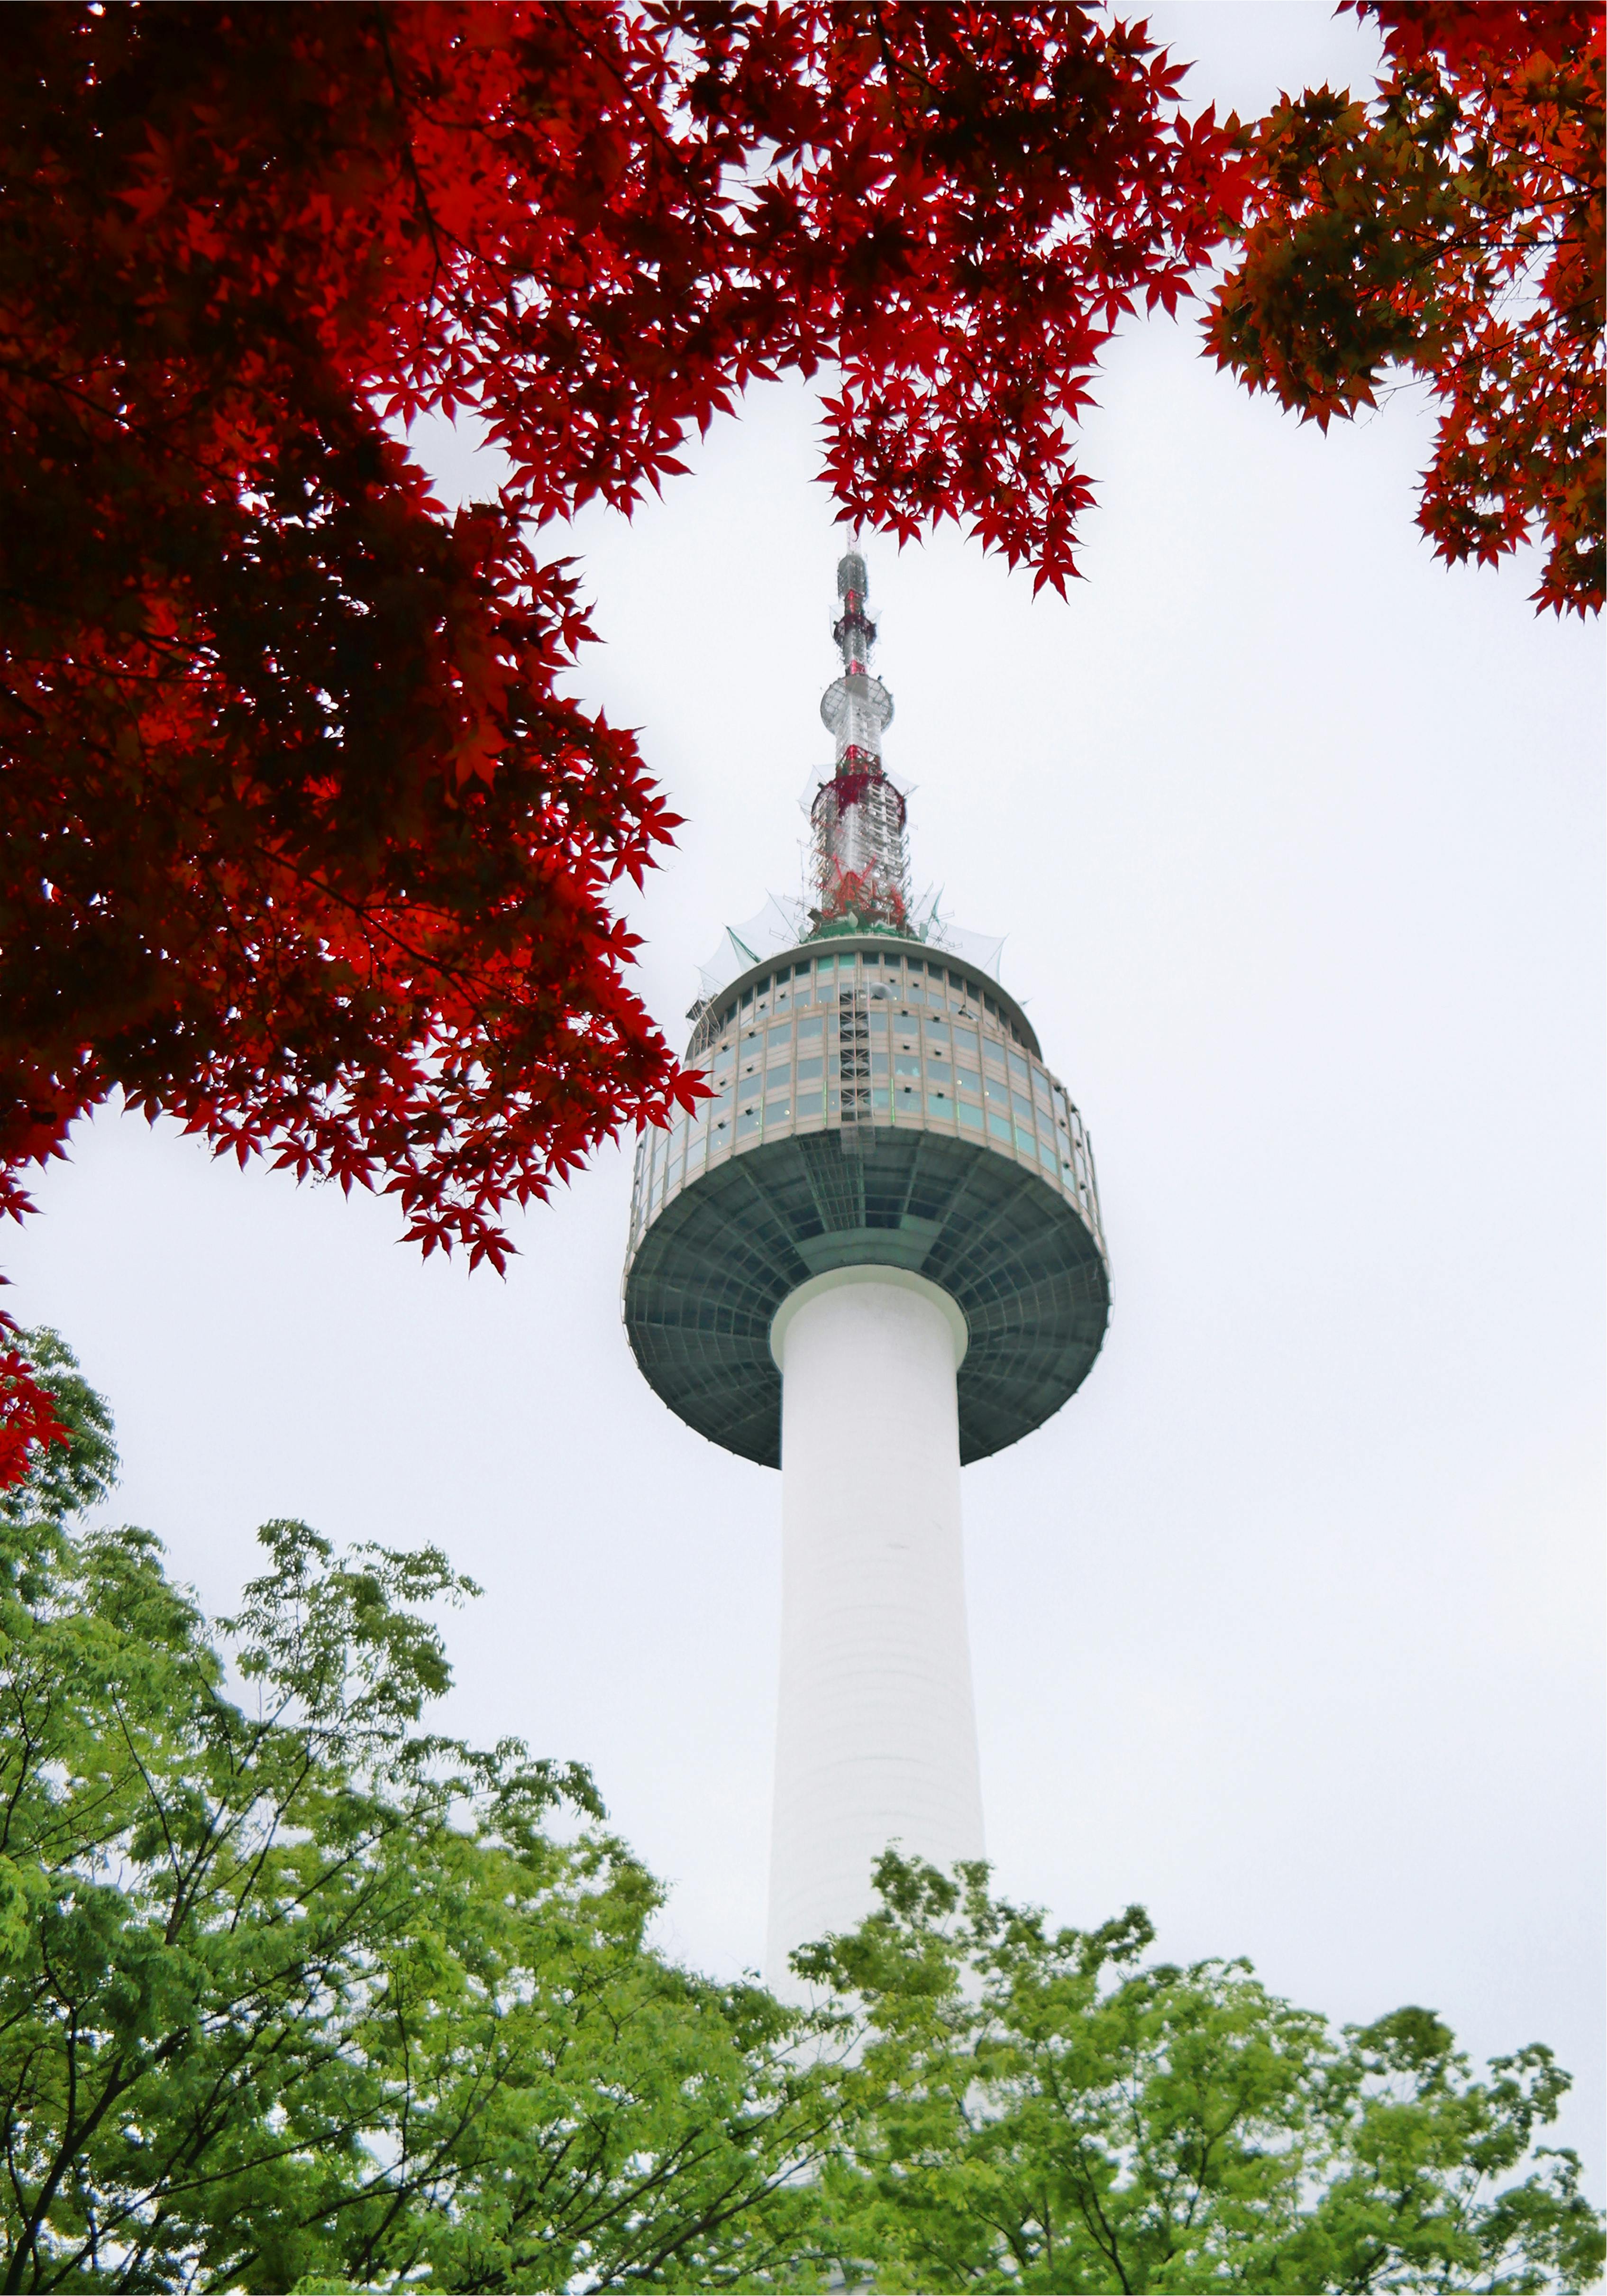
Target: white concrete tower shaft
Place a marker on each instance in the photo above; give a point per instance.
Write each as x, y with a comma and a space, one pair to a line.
876, 1736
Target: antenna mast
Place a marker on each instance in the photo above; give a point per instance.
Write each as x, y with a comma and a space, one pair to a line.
860, 866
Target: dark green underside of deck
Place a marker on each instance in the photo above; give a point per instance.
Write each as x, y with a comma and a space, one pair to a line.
710, 1273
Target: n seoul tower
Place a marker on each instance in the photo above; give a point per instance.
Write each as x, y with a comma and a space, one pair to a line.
874, 1255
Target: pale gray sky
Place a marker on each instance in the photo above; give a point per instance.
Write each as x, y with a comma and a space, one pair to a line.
1289, 1625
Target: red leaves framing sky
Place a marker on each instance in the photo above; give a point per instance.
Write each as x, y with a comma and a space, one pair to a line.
1450, 228
302, 843
299, 842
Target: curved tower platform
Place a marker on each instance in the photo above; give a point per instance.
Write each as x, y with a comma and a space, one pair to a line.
873, 1254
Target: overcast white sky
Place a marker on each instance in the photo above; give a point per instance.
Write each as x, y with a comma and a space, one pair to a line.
1289, 1625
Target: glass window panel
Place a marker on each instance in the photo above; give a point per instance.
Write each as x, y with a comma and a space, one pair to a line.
939, 1104
969, 1080
810, 1028
746, 1123
1024, 1139
970, 1116
881, 1099
999, 1126
778, 1111
1022, 1107
965, 1041
907, 1064
806, 1069
1046, 1155
878, 1063
936, 1032
811, 1103
781, 1033
1018, 1068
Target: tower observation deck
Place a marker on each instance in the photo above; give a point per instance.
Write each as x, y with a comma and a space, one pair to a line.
872, 1255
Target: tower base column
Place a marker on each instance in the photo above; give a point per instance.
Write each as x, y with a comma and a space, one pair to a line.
876, 1731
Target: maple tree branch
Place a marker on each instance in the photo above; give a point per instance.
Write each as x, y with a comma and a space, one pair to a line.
410, 157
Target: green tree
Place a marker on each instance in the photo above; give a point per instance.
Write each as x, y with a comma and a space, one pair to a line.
289, 1987
1031, 2109
295, 1993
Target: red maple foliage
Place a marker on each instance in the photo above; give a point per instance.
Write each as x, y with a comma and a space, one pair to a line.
29, 1421
299, 841
1451, 228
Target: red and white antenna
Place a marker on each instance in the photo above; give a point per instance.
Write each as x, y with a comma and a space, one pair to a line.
860, 866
